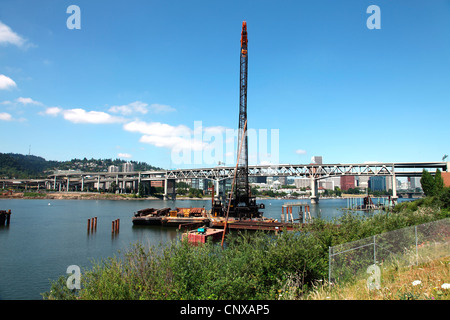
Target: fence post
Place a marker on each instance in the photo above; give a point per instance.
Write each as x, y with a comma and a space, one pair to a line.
329, 265
417, 249
374, 251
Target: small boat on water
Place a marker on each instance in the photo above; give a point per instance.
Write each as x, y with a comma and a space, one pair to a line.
201, 235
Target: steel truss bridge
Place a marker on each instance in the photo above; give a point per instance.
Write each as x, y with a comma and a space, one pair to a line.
68, 180
315, 171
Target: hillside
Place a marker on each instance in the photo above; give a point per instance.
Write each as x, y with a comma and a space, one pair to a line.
13, 165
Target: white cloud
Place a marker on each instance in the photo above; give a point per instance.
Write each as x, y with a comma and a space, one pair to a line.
6, 83
124, 155
79, 115
133, 107
166, 136
141, 107
5, 116
7, 36
157, 128
52, 111
300, 151
161, 108
26, 101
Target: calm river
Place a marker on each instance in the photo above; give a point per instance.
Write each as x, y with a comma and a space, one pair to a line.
47, 236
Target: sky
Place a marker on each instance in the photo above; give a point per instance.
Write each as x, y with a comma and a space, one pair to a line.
158, 81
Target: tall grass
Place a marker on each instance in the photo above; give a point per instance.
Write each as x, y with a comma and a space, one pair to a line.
423, 282
254, 265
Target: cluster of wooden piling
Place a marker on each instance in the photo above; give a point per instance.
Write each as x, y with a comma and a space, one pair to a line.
304, 212
5, 217
92, 224
115, 224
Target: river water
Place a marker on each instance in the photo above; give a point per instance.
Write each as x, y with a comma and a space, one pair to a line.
47, 236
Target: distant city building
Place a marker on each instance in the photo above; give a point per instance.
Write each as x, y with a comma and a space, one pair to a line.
389, 183
362, 182
347, 182
128, 167
282, 180
377, 183
414, 182
326, 184
316, 160
113, 168
257, 179
302, 183
201, 184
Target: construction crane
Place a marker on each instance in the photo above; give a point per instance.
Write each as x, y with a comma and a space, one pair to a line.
242, 188
242, 204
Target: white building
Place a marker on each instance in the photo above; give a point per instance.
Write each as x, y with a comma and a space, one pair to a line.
316, 159
302, 183
128, 167
113, 168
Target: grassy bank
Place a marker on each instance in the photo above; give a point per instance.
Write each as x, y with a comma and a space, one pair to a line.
428, 281
252, 266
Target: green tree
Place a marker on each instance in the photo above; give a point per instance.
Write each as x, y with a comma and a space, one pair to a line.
141, 189
428, 183
438, 183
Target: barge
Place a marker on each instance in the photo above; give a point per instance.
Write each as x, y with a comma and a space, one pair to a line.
150, 216
170, 218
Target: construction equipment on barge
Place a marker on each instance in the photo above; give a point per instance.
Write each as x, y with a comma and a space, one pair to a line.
170, 218
239, 210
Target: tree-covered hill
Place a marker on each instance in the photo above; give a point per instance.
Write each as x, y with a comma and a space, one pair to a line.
13, 165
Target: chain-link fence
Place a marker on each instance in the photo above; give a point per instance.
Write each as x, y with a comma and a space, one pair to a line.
402, 247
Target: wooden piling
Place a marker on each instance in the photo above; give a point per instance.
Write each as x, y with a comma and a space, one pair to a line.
117, 225
95, 223
8, 217
113, 227
89, 225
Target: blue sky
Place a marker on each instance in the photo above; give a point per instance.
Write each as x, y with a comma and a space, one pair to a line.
136, 78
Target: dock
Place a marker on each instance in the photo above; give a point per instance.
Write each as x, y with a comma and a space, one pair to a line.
367, 203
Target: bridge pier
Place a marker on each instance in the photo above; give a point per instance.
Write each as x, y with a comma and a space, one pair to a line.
169, 189
394, 187
314, 191
216, 190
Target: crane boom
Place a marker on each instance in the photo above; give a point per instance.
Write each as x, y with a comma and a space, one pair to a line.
242, 187
241, 204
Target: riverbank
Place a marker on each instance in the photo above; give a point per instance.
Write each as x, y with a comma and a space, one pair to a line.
83, 196
72, 196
